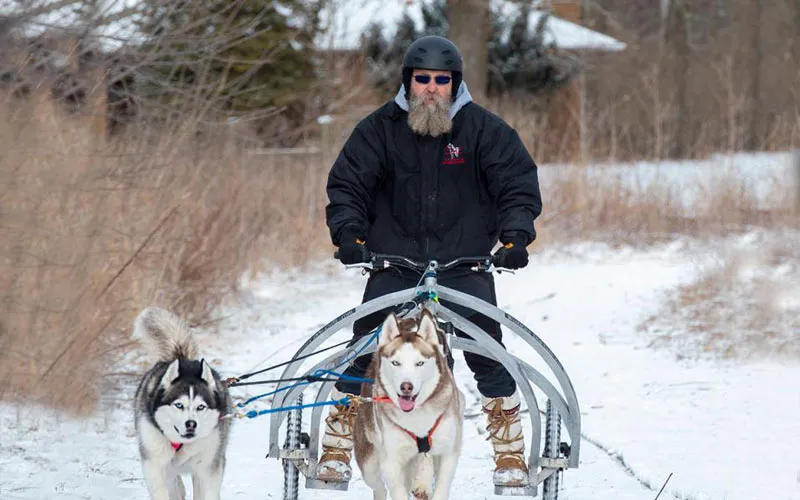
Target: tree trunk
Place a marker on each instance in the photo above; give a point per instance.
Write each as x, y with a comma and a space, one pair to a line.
678, 49
796, 53
469, 30
566, 111
754, 132
794, 7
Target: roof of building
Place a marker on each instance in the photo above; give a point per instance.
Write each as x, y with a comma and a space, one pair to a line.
346, 21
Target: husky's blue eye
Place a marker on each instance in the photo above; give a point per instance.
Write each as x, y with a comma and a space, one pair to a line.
179, 406
201, 407
396, 363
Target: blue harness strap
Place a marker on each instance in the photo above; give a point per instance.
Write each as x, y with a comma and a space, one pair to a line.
318, 374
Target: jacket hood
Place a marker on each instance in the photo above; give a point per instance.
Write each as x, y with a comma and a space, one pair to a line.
463, 97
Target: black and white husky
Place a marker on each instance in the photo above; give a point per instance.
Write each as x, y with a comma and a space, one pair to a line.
179, 409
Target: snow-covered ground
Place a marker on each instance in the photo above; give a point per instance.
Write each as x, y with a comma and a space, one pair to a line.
723, 429
692, 183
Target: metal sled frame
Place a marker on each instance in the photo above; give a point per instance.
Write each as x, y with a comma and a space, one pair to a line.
564, 401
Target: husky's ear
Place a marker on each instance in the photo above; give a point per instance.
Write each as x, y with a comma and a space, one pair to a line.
427, 328
389, 330
207, 375
172, 373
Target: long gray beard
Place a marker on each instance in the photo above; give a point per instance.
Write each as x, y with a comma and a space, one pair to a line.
429, 119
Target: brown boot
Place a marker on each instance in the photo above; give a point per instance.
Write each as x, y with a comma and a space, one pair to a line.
505, 431
337, 443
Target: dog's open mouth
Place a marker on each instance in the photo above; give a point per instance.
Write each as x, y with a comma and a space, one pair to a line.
406, 402
188, 435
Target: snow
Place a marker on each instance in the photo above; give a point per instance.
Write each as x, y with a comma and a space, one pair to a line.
722, 429
109, 36
690, 181
346, 21
562, 33
718, 428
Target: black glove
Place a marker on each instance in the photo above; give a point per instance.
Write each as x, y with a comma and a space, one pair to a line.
513, 254
352, 249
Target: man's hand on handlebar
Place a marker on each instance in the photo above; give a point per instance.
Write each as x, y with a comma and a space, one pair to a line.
512, 255
352, 250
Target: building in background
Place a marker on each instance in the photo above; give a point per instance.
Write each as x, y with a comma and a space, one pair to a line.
562, 113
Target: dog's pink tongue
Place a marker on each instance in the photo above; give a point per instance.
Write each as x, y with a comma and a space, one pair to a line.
406, 404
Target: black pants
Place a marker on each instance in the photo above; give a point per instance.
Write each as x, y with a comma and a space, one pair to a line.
492, 378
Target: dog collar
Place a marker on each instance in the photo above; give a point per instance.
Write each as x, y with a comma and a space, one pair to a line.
176, 446
382, 399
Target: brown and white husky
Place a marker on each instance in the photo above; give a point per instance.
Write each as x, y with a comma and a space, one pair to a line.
411, 435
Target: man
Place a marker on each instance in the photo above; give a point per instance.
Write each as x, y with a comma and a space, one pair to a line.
432, 175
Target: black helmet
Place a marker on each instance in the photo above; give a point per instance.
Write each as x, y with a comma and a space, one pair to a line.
433, 52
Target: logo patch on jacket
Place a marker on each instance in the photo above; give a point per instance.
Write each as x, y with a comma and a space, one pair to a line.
453, 155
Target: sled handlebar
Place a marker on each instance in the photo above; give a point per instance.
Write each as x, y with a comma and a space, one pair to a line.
486, 263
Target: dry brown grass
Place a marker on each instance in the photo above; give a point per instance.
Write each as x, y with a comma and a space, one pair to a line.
586, 203
90, 233
746, 304
601, 201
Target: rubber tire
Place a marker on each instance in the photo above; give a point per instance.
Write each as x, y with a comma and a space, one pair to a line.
291, 476
552, 443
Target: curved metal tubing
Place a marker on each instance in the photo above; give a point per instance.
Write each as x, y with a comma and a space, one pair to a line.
519, 370
570, 422
463, 344
511, 364
337, 359
325, 388
316, 418
457, 343
283, 399
345, 319
532, 339
532, 374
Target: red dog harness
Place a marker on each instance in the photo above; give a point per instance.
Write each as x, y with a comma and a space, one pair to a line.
423, 443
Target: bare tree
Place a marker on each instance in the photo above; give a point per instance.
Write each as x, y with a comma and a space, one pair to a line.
754, 130
469, 30
677, 50
795, 51
193, 63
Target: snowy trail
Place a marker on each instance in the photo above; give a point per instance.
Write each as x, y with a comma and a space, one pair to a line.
713, 425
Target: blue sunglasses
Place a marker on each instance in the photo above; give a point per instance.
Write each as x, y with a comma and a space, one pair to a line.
425, 79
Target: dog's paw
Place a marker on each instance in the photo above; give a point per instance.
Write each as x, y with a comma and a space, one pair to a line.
420, 494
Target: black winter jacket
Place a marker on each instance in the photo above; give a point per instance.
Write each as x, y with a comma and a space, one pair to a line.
433, 198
